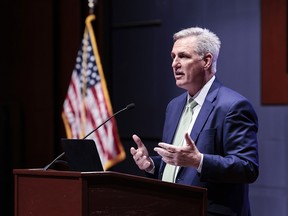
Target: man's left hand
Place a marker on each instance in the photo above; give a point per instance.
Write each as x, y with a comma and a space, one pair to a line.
186, 155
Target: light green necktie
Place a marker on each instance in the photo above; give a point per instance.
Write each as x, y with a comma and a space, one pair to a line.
183, 126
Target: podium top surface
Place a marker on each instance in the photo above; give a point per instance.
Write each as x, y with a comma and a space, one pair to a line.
104, 175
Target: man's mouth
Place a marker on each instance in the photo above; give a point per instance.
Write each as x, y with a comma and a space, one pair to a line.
179, 74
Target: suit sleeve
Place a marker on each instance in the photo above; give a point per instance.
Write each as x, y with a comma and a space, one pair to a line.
237, 161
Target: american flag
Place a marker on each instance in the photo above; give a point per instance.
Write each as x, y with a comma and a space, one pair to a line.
87, 103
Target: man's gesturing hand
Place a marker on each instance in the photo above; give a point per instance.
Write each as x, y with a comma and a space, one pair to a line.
187, 155
141, 155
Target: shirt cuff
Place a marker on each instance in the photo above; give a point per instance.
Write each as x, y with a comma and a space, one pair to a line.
151, 171
199, 169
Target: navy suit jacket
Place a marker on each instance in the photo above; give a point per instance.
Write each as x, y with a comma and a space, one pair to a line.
225, 131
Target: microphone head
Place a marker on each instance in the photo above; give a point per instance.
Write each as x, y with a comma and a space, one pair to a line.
130, 106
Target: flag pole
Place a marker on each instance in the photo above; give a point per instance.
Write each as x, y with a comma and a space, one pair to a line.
91, 5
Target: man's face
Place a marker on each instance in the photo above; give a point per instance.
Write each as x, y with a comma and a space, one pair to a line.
187, 65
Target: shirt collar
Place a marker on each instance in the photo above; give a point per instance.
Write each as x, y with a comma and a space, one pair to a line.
200, 96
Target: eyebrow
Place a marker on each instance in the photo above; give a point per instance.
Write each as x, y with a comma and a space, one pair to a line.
180, 53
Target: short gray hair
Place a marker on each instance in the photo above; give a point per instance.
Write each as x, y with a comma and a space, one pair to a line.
206, 42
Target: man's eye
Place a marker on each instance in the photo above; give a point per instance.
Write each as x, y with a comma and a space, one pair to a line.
183, 56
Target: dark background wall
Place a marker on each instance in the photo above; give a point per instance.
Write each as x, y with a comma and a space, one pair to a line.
39, 41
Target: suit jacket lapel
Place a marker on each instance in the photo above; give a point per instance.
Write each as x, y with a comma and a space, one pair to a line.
174, 118
205, 111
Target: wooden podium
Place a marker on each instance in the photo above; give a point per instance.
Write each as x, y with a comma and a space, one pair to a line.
39, 192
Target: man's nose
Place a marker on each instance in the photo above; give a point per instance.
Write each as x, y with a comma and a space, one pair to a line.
175, 62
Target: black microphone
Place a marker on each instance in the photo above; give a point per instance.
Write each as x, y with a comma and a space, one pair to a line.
128, 107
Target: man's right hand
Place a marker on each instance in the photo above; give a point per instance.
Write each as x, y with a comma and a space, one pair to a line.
141, 155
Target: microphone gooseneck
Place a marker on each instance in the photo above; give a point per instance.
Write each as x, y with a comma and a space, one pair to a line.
128, 107
50, 164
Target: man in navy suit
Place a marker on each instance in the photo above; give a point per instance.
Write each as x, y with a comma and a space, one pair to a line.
219, 149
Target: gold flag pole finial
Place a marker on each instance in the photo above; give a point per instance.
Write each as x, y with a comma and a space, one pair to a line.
91, 5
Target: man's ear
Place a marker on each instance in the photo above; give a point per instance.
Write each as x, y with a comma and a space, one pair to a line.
207, 60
